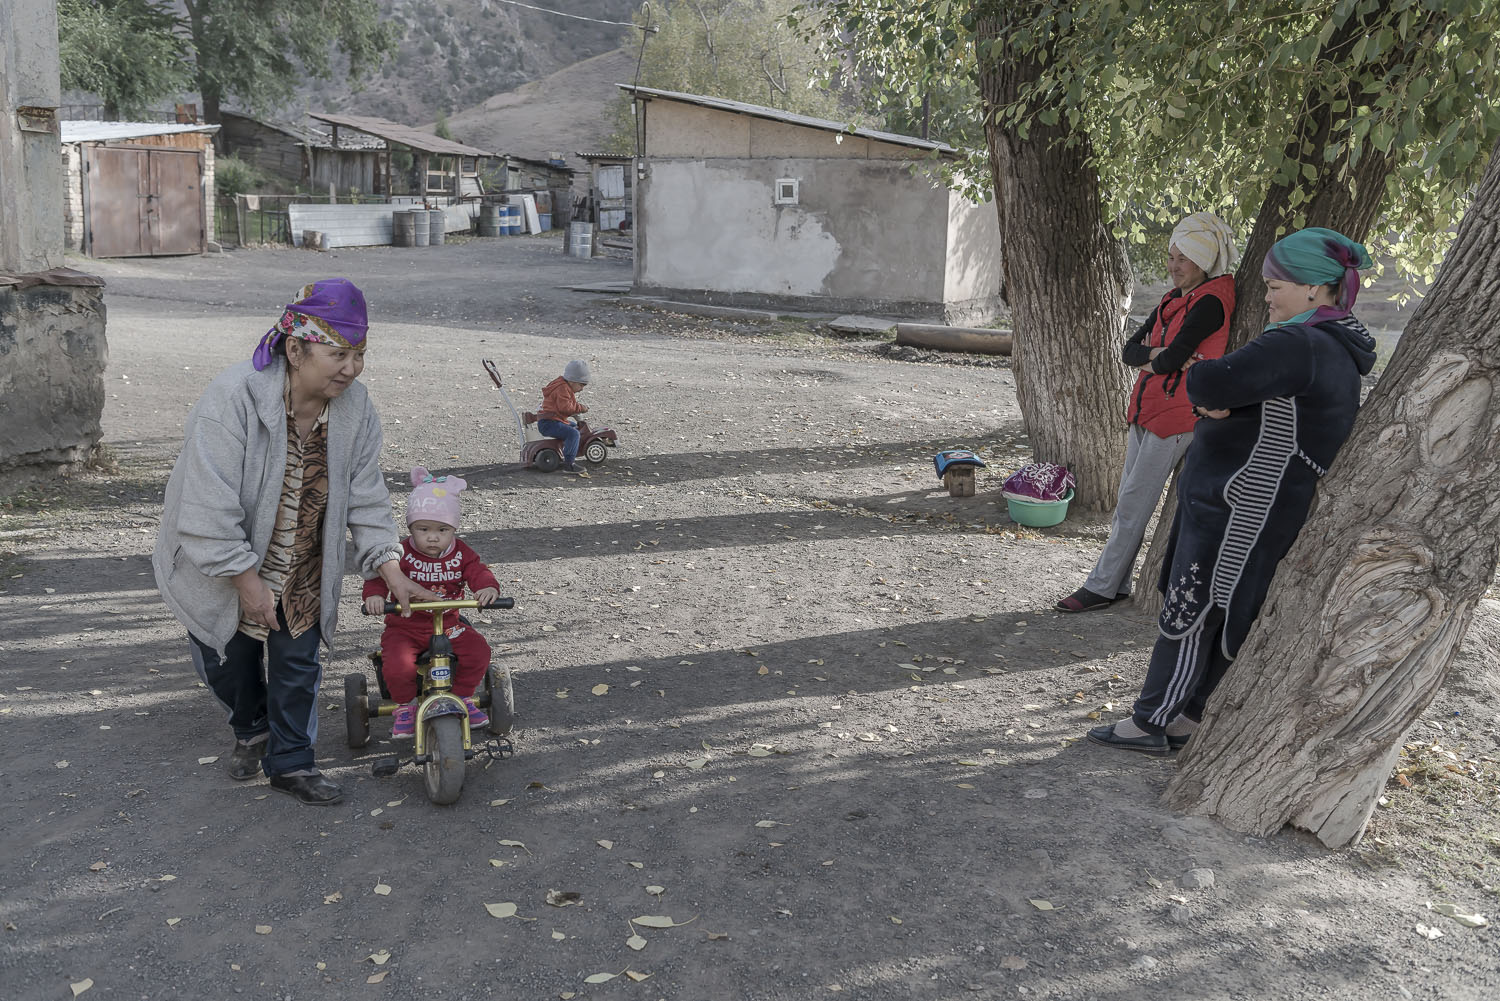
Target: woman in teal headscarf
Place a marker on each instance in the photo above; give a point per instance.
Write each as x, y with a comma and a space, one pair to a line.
1275, 414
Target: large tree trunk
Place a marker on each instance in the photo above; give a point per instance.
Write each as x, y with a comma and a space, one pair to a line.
1067, 282
1368, 609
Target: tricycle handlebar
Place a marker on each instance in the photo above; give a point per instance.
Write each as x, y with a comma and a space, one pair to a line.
394, 608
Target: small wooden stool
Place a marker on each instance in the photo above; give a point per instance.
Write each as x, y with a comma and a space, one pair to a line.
960, 481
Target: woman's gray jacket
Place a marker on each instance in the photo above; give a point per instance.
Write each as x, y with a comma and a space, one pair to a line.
222, 496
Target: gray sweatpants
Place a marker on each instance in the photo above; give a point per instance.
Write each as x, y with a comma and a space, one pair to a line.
1149, 461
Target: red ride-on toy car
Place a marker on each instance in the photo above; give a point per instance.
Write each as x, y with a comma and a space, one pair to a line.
546, 453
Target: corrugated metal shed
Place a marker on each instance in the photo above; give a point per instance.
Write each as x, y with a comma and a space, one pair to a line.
788, 117
87, 132
403, 135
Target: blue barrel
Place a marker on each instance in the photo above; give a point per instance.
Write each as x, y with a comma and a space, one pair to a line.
515, 223
545, 219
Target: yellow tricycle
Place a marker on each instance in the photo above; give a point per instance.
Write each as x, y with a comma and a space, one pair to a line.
443, 741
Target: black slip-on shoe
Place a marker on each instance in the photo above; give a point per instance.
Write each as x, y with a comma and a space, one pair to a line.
1151, 743
1084, 600
1178, 743
314, 790
244, 760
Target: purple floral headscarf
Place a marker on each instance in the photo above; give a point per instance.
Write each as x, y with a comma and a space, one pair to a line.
331, 311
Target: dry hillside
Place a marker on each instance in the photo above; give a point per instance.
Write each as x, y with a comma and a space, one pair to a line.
570, 110
456, 53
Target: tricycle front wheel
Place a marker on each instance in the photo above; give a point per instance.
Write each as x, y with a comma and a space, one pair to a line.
443, 774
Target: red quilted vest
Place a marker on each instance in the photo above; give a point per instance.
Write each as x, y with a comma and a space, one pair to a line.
1159, 403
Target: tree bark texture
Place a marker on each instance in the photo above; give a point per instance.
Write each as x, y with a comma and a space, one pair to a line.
1067, 282
1367, 611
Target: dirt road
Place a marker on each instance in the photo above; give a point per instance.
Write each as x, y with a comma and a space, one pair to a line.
839, 742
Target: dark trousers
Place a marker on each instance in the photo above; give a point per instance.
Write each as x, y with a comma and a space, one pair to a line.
268, 688
563, 432
1182, 675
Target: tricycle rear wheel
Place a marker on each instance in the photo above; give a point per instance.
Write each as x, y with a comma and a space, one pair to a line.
356, 710
443, 774
547, 460
499, 700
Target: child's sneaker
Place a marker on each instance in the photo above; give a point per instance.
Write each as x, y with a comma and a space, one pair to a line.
477, 716
404, 721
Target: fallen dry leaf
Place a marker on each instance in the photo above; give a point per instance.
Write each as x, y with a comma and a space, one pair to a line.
715, 936
498, 802
382, 889
605, 843
380, 958
771, 823
1452, 911
660, 921
1428, 933
638, 977
1043, 905
636, 942
173, 922
562, 898
497, 863
82, 985
99, 866
208, 760
502, 910
262, 929
599, 689
1013, 962
557, 936
376, 978
334, 897
656, 891
599, 978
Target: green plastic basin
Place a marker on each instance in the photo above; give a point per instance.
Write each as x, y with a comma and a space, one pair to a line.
1039, 514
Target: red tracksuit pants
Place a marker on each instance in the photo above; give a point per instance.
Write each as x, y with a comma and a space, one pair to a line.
398, 661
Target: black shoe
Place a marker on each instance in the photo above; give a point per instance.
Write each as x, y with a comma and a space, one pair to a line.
1175, 743
1151, 743
1084, 600
314, 790
571, 467
244, 760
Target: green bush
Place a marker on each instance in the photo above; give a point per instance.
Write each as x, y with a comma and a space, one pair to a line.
233, 176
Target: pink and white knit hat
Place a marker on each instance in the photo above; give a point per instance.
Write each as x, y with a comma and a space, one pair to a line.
434, 498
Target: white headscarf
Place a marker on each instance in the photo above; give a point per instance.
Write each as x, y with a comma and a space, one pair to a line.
1207, 241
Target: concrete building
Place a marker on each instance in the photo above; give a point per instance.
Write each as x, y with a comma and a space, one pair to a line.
736, 204
110, 165
52, 347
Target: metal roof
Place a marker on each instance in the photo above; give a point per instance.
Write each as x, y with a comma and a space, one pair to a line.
301, 133
788, 117
87, 132
591, 157
403, 135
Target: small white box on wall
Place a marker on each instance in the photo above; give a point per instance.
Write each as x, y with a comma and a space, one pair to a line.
787, 189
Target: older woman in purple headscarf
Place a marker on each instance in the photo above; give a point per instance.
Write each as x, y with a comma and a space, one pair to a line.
280, 461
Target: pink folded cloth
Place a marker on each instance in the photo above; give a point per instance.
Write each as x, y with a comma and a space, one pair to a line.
1039, 481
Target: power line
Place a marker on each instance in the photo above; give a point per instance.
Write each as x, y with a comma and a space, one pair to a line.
576, 17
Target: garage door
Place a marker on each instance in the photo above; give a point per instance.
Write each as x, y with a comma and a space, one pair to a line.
140, 202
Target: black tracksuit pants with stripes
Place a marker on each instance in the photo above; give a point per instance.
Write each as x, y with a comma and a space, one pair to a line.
1183, 674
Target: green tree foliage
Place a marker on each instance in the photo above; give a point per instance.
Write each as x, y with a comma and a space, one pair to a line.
1194, 106
129, 52
441, 129
740, 50
255, 50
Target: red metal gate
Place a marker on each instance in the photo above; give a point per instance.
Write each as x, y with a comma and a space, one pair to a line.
142, 201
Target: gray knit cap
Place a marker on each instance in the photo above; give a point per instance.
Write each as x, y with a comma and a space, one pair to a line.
577, 371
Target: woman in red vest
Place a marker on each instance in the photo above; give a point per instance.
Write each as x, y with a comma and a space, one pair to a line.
1191, 323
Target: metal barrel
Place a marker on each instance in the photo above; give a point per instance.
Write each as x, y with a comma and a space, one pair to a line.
403, 230
439, 224
489, 220
420, 227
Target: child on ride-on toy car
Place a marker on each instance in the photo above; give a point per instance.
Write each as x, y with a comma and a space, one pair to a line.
433, 556
560, 405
